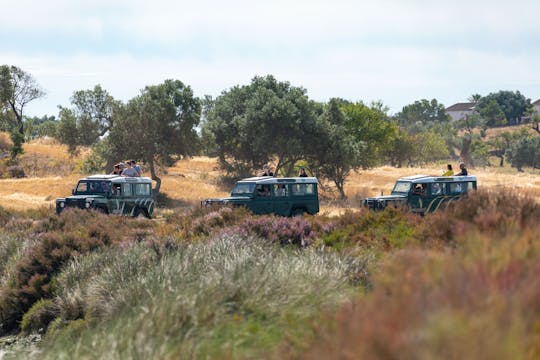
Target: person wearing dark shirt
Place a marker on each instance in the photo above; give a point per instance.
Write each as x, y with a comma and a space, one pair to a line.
463, 169
302, 172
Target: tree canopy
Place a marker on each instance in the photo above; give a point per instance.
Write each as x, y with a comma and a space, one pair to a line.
17, 89
156, 126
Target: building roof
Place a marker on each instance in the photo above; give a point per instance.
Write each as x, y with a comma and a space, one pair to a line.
536, 103
461, 107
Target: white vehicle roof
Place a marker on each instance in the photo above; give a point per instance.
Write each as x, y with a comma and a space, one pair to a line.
119, 179
428, 178
280, 180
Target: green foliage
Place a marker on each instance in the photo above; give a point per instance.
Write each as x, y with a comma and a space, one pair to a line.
91, 116
17, 89
195, 299
525, 152
38, 318
37, 127
253, 123
422, 115
492, 113
17, 139
68, 133
60, 239
156, 126
512, 104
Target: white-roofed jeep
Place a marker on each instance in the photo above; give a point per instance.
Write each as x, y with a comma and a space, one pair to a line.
111, 194
422, 193
292, 196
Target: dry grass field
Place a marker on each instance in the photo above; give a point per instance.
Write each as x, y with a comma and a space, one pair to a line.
52, 173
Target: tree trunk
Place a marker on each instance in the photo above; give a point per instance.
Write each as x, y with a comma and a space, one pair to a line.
465, 151
340, 186
154, 176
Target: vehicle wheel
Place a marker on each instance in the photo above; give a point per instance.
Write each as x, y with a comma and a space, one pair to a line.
298, 212
146, 214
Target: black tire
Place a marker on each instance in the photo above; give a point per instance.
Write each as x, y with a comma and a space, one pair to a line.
298, 212
141, 211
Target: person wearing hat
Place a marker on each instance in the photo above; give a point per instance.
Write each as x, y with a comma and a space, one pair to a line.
463, 169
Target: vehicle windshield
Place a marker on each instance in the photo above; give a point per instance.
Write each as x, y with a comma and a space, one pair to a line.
93, 187
243, 189
401, 187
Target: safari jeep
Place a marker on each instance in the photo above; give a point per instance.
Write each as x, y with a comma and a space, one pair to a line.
292, 196
422, 193
111, 194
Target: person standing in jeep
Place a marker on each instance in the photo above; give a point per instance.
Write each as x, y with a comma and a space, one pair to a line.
130, 170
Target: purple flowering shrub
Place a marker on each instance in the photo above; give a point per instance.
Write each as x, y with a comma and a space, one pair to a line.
282, 230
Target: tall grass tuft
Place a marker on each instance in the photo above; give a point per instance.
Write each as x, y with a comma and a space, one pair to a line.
222, 298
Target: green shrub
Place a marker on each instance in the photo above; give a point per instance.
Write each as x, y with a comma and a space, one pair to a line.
38, 318
193, 300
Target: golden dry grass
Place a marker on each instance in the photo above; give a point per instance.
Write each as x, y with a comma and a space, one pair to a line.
191, 180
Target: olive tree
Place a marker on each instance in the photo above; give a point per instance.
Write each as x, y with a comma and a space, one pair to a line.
156, 126
17, 89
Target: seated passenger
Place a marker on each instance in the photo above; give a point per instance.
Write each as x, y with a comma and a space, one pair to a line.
449, 170
463, 169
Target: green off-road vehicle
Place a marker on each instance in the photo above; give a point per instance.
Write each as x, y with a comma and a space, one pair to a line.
422, 193
111, 194
292, 196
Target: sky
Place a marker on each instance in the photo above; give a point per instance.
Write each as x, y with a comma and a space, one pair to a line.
393, 51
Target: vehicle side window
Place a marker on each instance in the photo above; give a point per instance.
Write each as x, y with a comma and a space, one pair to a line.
280, 190
142, 189
420, 189
458, 188
116, 189
303, 189
126, 190
263, 190
438, 189
82, 187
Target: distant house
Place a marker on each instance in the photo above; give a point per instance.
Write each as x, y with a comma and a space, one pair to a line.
536, 105
460, 111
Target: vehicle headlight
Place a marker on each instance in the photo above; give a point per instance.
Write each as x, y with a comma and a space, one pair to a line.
87, 204
62, 204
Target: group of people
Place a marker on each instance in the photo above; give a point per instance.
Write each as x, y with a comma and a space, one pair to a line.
129, 168
268, 172
450, 172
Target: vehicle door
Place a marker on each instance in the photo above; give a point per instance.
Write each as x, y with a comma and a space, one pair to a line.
114, 203
419, 197
282, 199
263, 200
438, 197
127, 198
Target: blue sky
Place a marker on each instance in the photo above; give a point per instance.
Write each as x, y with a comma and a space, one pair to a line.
389, 50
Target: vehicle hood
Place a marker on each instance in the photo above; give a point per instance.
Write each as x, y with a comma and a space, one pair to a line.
79, 198
225, 200
388, 198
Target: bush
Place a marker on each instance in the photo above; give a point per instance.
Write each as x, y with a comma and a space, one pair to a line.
193, 300
38, 318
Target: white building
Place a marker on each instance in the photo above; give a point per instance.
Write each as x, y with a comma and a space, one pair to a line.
460, 111
536, 105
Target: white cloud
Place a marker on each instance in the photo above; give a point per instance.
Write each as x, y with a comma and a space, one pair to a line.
393, 50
